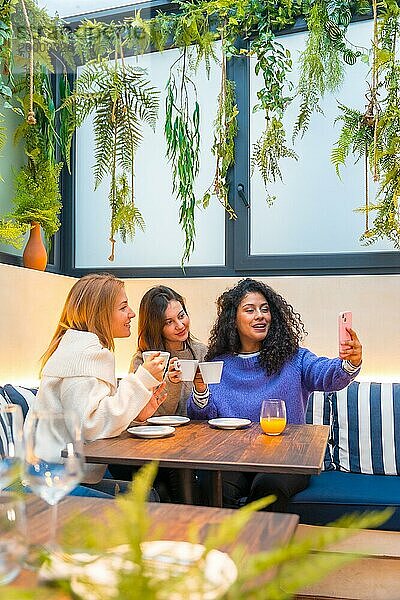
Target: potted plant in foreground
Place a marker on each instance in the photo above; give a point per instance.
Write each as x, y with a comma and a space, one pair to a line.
119, 535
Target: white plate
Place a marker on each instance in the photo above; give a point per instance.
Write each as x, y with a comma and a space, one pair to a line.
94, 577
151, 431
229, 423
175, 420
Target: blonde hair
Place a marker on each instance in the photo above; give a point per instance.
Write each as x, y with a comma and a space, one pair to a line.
88, 307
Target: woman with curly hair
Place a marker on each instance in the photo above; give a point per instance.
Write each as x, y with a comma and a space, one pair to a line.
257, 334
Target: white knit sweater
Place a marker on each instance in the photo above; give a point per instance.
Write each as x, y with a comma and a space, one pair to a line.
80, 376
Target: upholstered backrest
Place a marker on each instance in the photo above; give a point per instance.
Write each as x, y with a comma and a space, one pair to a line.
20, 395
10, 394
319, 412
366, 428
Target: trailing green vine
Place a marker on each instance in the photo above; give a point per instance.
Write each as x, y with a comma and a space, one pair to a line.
183, 145
375, 133
246, 28
225, 131
274, 62
323, 62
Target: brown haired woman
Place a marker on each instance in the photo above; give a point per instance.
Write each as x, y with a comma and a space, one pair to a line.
78, 368
164, 324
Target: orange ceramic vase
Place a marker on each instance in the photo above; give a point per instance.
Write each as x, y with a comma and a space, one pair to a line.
35, 255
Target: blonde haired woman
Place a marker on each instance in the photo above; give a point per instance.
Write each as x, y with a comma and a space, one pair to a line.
78, 367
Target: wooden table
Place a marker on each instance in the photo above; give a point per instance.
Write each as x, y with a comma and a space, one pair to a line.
264, 531
300, 449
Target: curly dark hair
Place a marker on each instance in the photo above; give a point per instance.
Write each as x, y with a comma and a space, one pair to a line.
284, 335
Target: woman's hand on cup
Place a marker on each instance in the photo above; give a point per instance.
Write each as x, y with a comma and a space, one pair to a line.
174, 373
351, 350
198, 382
155, 365
158, 397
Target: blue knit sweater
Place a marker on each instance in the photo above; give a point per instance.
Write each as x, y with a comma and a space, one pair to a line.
244, 385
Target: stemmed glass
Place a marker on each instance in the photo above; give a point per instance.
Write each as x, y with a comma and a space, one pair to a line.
12, 536
11, 444
53, 458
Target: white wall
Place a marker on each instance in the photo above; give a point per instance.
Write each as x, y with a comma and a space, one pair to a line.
31, 303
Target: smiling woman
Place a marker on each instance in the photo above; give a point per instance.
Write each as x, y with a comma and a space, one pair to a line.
253, 320
164, 324
257, 334
121, 316
78, 368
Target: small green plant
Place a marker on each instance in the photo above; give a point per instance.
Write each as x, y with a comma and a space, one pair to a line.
38, 197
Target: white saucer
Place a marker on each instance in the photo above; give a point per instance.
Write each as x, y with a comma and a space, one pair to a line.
151, 431
175, 420
229, 423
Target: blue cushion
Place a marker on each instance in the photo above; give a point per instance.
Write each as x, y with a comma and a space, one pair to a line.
333, 494
366, 428
81, 490
319, 412
22, 396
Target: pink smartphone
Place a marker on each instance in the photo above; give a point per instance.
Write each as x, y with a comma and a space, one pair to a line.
345, 320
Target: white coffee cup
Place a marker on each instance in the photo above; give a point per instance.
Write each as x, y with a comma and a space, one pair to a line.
188, 368
164, 355
211, 371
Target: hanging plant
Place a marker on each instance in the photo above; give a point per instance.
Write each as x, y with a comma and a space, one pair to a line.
327, 52
30, 44
225, 131
274, 62
374, 134
183, 144
122, 100
37, 195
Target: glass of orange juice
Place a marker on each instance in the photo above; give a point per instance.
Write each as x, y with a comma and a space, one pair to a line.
273, 416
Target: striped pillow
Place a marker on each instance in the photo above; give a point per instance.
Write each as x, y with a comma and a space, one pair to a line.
20, 395
366, 428
319, 412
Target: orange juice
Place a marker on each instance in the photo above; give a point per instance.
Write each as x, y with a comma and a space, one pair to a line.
273, 425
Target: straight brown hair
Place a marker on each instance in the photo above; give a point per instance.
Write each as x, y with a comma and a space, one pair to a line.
152, 317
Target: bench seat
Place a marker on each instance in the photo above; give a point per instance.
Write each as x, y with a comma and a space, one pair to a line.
335, 493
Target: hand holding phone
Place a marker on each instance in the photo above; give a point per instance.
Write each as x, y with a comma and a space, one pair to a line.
345, 322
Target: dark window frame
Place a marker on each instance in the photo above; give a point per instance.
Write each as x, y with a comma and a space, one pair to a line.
238, 261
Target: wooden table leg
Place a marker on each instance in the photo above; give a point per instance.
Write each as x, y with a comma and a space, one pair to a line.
216, 488
187, 485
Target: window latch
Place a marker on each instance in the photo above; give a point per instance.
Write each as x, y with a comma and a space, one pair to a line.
242, 195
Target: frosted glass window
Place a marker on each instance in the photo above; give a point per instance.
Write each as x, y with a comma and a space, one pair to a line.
314, 209
162, 243
68, 8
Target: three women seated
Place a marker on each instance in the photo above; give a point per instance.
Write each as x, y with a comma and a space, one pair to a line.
257, 334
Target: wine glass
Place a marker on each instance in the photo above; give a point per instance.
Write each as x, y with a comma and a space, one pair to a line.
53, 458
12, 536
11, 444
273, 416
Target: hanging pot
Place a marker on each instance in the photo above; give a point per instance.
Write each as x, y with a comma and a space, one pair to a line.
35, 254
